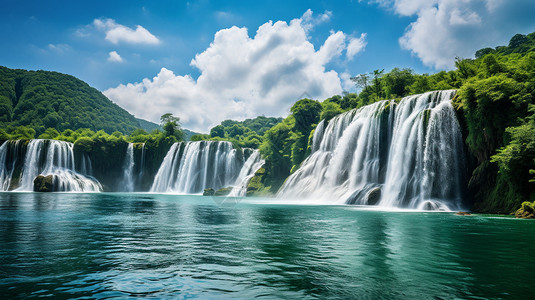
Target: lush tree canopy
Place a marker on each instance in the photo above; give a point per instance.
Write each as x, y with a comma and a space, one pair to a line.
42, 99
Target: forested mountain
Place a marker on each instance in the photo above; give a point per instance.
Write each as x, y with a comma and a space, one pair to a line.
148, 126
43, 99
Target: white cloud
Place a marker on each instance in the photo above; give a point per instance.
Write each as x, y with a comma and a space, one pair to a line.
355, 46
445, 29
115, 57
117, 33
347, 84
309, 21
59, 48
241, 77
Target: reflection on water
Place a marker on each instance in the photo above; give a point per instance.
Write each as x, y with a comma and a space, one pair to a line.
135, 245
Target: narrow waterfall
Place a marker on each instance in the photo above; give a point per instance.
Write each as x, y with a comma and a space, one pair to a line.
56, 158
253, 163
394, 155
141, 164
10, 157
193, 166
127, 184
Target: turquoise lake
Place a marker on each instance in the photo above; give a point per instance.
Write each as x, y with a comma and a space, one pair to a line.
101, 245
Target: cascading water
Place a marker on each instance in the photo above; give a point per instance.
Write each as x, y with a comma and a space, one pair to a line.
394, 155
193, 166
141, 164
46, 157
9, 158
127, 183
253, 163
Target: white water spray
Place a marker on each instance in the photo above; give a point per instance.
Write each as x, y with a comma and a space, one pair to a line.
394, 155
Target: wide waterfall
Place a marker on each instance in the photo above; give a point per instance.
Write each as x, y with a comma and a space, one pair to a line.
407, 154
193, 166
44, 157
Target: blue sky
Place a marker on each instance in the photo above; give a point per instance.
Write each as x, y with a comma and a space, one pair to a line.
206, 61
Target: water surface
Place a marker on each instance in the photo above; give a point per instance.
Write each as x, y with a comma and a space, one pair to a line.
150, 245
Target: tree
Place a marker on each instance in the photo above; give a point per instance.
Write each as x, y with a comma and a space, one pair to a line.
517, 40
306, 112
397, 82
330, 109
361, 81
171, 126
482, 52
218, 131
378, 88
465, 67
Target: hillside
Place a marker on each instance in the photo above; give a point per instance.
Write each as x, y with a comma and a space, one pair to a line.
43, 99
148, 126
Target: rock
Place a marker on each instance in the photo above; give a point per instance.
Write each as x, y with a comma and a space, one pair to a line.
223, 191
256, 184
43, 183
526, 211
260, 172
374, 195
463, 213
208, 192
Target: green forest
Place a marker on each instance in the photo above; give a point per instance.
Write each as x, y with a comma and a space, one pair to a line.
43, 99
495, 104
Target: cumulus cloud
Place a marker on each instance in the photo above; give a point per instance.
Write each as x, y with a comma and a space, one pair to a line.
115, 57
117, 33
240, 77
355, 46
445, 29
309, 21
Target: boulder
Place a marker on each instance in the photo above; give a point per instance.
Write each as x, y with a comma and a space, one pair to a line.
526, 211
374, 195
223, 191
463, 213
43, 183
208, 192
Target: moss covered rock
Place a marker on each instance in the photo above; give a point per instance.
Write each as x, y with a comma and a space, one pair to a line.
527, 211
223, 191
208, 192
43, 183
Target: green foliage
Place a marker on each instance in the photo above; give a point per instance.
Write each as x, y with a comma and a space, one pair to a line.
171, 126
497, 92
218, 131
22, 133
247, 133
50, 133
41, 99
199, 137
147, 125
329, 110
397, 82
276, 148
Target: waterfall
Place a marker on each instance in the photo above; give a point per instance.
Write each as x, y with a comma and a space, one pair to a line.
253, 163
9, 159
394, 155
193, 166
141, 164
128, 170
50, 157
